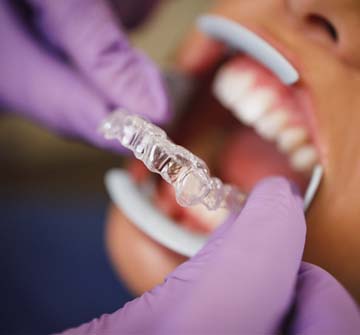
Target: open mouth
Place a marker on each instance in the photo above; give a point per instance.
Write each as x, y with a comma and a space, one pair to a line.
248, 125
255, 127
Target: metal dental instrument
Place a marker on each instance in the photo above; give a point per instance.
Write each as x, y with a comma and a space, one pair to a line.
188, 174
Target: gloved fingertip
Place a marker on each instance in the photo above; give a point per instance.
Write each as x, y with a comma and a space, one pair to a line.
96, 139
276, 191
274, 205
277, 182
269, 196
160, 110
146, 91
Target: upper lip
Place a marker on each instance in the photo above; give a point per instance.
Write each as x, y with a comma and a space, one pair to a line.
241, 38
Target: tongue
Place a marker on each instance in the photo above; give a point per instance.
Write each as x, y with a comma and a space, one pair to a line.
247, 158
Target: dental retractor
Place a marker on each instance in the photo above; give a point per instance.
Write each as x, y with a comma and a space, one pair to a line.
188, 174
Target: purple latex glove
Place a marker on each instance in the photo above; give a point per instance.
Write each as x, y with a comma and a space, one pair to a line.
244, 281
101, 70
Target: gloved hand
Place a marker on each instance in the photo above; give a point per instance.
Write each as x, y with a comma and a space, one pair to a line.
244, 281
89, 69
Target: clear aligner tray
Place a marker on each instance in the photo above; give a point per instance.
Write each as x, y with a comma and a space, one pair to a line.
188, 174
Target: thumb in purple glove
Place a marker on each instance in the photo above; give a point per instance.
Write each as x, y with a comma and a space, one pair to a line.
103, 71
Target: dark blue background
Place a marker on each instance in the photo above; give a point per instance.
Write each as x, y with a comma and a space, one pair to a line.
53, 265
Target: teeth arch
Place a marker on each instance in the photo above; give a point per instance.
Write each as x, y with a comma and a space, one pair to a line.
291, 138
270, 125
255, 105
230, 87
304, 158
261, 108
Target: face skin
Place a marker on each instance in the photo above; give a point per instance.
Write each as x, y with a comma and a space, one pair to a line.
320, 38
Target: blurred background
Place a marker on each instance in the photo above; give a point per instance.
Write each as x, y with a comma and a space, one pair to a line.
53, 264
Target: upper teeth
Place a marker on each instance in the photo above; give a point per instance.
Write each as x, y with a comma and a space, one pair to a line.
233, 87
291, 138
304, 157
256, 107
271, 124
253, 106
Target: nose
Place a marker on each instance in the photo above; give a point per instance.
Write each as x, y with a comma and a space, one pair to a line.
316, 20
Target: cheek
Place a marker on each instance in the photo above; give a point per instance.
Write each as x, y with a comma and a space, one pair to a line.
333, 239
140, 262
339, 123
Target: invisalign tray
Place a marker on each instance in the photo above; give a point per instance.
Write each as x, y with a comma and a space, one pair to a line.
188, 174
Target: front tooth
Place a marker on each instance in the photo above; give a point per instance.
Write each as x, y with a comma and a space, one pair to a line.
254, 106
304, 158
291, 138
230, 86
270, 125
